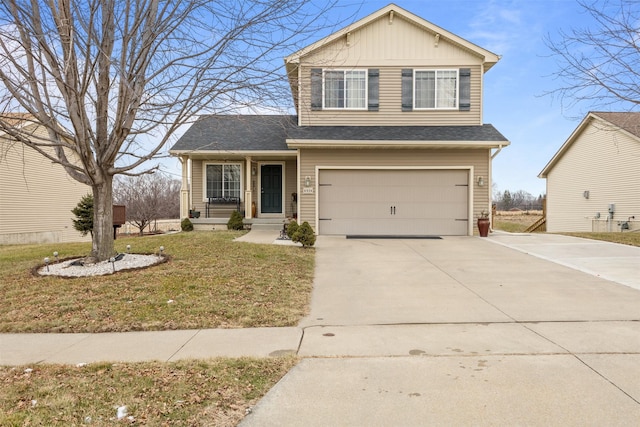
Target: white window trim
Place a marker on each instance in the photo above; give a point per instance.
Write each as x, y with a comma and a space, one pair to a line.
456, 107
366, 89
204, 177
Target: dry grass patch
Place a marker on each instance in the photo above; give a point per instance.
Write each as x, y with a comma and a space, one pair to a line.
190, 393
515, 222
210, 282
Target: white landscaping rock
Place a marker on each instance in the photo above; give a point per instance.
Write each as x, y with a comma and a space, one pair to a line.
129, 261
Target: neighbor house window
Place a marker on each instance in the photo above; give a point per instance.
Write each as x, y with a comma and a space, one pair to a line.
222, 180
345, 89
436, 89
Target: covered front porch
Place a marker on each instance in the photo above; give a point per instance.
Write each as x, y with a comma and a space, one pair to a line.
261, 186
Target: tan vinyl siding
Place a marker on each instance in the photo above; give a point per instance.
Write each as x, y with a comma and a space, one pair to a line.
390, 111
603, 162
290, 186
401, 43
197, 181
309, 159
197, 186
36, 198
390, 48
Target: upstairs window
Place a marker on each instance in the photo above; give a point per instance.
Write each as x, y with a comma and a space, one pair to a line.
345, 89
435, 89
222, 180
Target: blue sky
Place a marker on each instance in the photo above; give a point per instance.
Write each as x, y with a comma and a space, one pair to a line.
514, 100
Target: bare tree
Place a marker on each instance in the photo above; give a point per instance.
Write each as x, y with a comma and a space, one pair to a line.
147, 198
600, 65
112, 80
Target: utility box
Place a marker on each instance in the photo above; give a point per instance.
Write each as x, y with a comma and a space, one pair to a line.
119, 217
119, 214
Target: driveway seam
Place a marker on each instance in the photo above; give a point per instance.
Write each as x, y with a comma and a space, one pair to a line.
459, 282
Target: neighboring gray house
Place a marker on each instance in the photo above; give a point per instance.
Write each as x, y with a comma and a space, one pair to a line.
593, 181
388, 137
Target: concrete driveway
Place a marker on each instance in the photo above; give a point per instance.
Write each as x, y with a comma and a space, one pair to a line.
459, 331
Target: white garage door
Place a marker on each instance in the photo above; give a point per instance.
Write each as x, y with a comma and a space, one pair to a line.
393, 202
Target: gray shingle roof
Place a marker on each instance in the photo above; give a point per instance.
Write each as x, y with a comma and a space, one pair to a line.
269, 132
237, 133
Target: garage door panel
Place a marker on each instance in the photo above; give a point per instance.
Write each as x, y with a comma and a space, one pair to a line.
393, 202
380, 227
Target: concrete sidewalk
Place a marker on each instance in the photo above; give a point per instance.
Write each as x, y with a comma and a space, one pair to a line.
165, 346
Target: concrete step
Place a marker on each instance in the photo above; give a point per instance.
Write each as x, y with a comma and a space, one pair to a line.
266, 226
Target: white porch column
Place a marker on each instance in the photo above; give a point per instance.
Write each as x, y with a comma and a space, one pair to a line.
185, 196
247, 189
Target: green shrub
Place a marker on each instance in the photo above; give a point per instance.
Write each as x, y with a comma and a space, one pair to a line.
235, 221
84, 215
292, 228
186, 225
304, 234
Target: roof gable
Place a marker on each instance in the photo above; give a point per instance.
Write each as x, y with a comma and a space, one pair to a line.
628, 123
392, 13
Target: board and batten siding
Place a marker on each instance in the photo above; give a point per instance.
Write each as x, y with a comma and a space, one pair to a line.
478, 160
36, 198
391, 48
603, 162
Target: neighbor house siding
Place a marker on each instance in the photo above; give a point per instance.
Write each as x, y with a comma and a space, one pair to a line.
391, 48
36, 197
605, 163
478, 160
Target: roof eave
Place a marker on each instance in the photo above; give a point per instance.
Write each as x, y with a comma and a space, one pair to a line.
324, 143
213, 153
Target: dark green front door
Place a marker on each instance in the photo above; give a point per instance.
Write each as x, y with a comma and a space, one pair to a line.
271, 196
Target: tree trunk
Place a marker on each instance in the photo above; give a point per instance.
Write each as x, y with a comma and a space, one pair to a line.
102, 242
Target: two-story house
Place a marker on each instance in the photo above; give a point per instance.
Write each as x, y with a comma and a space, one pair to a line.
387, 139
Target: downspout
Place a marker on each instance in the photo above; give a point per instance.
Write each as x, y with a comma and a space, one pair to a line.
490, 189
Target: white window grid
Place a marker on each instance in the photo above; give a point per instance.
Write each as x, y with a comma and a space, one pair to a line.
444, 93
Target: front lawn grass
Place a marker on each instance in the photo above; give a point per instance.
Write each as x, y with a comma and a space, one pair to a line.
214, 392
210, 282
514, 222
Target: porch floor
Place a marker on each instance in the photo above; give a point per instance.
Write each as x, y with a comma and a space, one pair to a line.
253, 223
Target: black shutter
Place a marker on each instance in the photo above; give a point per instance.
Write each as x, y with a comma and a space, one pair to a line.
316, 89
465, 89
407, 89
373, 89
